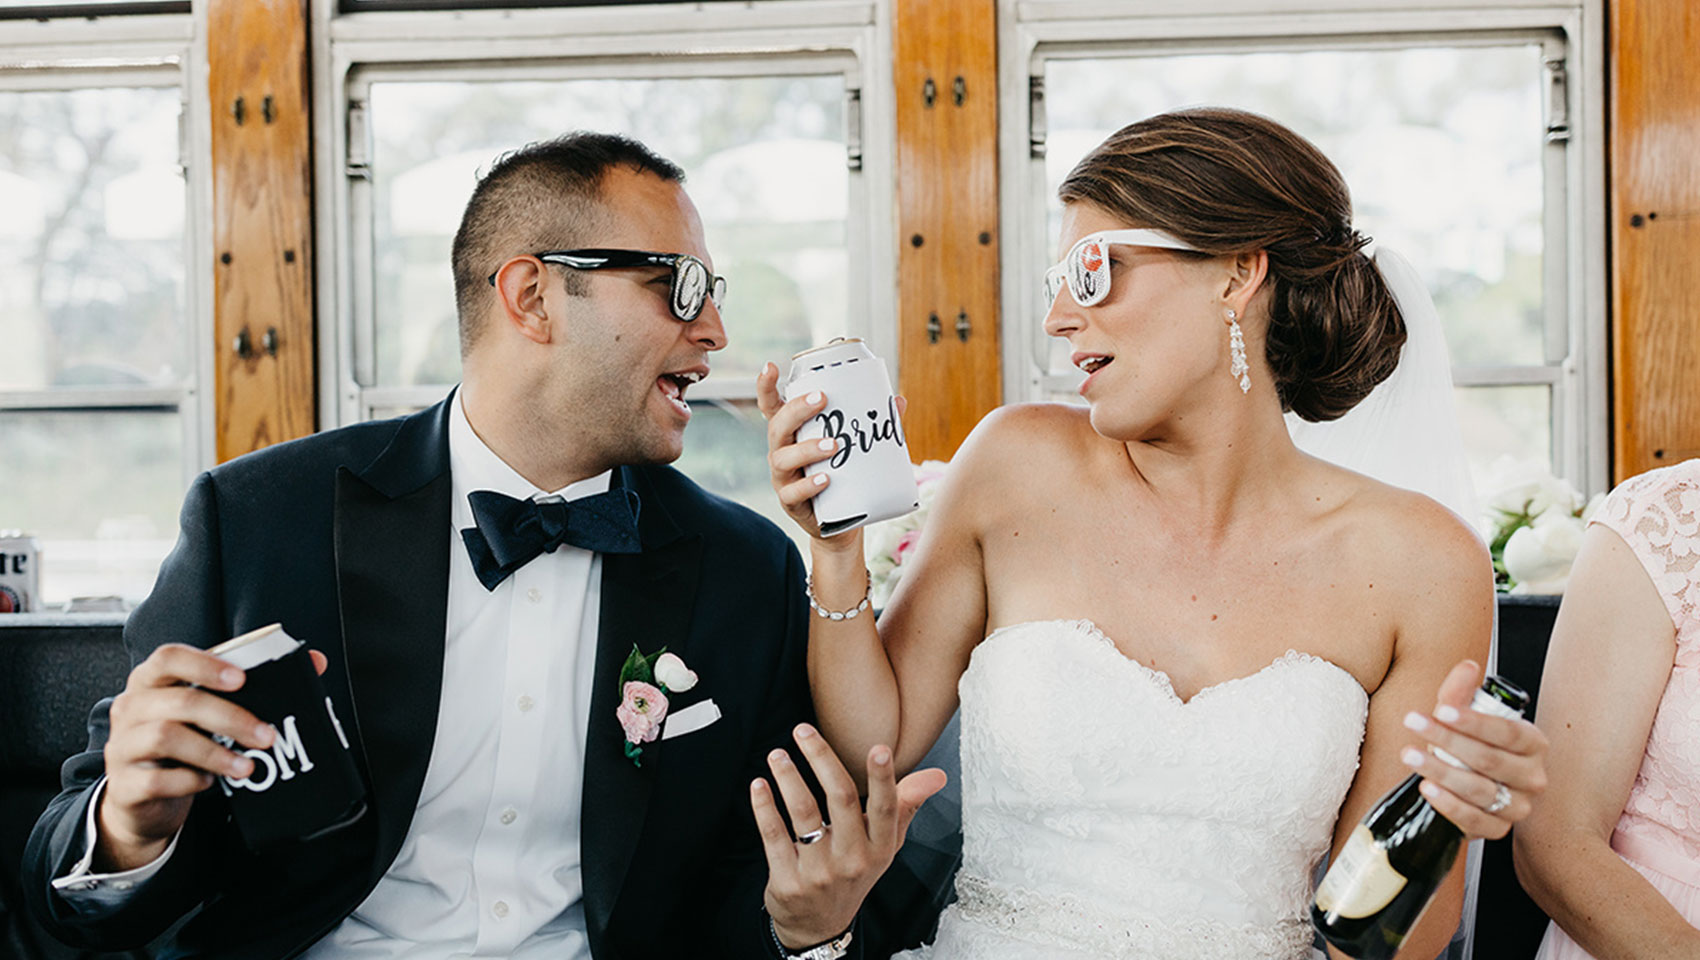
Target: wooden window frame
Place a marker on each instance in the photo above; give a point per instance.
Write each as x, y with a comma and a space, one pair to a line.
351, 50
136, 50
1576, 367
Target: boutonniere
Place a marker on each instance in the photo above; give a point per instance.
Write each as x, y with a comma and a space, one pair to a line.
645, 682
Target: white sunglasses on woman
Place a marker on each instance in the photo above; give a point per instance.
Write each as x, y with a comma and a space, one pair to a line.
1086, 268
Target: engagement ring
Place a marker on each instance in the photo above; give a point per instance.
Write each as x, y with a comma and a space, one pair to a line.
1501, 798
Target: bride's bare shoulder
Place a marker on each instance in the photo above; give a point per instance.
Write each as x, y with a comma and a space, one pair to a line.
1020, 440
1422, 538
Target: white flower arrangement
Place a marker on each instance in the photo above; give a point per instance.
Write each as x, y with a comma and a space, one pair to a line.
1535, 526
890, 543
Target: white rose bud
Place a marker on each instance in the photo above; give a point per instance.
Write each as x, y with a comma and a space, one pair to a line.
672, 673
1515, 483
1553, 495
1593, 507
1538, 557
1527, 486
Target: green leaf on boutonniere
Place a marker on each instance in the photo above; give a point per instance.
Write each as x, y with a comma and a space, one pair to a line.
639, 667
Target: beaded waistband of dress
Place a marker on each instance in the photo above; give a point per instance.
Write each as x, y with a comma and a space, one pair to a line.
1065, 921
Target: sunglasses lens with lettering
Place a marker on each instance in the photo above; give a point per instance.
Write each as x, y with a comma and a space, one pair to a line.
690, 288
1088, 267
1085, 271
692, 285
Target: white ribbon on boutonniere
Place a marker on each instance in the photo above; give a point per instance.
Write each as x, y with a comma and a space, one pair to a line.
645, 682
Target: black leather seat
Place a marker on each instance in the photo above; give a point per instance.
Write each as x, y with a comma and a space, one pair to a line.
1508, 924
52, 670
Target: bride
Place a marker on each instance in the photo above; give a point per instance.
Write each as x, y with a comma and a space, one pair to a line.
1188, 656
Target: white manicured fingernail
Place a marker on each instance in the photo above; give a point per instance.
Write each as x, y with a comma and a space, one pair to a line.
829, 444
814, 397
1416, 721
1447, 713
1412, 757
820, 479
1428, 789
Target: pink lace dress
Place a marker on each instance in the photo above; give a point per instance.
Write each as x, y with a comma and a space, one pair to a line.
1658, 515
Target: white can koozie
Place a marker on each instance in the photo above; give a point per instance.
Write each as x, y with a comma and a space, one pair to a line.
872, 478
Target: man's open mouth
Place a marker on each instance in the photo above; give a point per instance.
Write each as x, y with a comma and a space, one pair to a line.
674, 385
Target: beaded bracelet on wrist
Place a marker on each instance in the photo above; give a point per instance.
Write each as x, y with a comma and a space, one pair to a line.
850, 614
835, 947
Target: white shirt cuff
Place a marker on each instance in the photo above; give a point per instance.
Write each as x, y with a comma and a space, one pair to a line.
90, 893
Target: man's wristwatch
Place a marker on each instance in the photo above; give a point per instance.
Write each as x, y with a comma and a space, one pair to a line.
835, 949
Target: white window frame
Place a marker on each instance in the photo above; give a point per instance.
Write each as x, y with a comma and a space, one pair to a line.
771, 37
1033, 32
137, 50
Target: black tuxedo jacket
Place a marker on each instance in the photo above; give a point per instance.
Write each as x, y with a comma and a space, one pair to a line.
345, 538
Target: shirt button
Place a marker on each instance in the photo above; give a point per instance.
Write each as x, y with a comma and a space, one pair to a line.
525, 703
509, 816
500, 909
122, 884
534, 595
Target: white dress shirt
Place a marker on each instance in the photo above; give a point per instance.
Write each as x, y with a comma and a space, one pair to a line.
490, 865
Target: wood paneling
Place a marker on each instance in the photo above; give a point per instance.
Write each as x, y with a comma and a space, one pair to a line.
1655, 230
262, 222
947, 194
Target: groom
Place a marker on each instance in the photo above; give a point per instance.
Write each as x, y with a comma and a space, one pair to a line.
473, 644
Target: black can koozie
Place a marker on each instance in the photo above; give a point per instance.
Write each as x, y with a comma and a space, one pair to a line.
306, 784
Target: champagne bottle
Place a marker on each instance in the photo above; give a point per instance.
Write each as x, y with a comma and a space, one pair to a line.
1390, 867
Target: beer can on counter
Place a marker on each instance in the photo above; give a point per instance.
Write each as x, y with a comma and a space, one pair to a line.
20, 575
872, 478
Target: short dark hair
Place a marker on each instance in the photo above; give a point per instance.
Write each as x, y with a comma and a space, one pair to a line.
543, 196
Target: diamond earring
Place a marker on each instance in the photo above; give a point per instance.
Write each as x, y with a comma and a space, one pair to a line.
1237, 367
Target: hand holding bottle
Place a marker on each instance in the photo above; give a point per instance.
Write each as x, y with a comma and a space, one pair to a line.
1397, 856
1505, 757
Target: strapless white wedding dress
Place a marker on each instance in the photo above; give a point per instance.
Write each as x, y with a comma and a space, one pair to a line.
1103, 817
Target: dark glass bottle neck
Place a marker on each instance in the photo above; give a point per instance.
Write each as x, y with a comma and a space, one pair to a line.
1406, 811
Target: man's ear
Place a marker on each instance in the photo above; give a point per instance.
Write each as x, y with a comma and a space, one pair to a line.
520, 285
1246, 274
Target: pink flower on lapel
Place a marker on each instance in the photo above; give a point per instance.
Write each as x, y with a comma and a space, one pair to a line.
642, 708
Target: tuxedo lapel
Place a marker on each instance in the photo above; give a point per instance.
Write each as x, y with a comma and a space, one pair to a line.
647, 600
392, 549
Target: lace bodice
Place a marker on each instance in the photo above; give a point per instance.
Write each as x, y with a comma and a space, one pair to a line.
1658, 515
1105, 817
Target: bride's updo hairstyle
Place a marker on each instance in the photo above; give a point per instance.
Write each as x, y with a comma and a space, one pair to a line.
1228, 181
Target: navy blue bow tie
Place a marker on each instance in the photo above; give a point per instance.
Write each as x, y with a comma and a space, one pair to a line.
511, 533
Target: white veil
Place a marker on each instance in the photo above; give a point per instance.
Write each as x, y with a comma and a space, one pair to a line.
1406, 431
